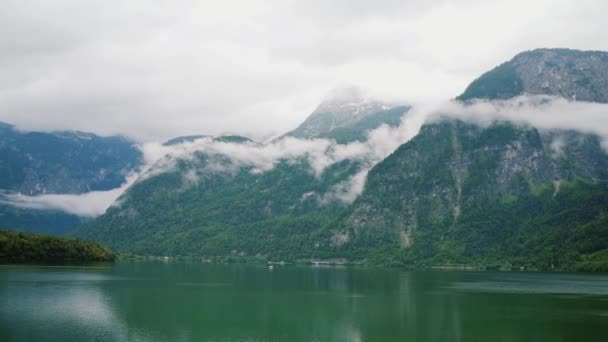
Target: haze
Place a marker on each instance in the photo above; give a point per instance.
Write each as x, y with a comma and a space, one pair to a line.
156, 70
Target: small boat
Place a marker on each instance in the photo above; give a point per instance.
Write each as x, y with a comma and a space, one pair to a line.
270, 267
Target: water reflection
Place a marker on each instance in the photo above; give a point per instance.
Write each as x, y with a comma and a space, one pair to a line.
67, 305
193, 302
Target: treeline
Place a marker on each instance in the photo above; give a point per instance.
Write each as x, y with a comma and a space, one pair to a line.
28, 247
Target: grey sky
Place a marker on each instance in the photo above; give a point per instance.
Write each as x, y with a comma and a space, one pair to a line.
158, 69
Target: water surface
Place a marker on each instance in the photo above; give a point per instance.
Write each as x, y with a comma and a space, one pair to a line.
211, 302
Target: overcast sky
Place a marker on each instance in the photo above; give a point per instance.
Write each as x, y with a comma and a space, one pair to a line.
159, 69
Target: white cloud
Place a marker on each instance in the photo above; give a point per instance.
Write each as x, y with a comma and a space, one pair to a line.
167, 68
543, 112
320, 153
90, 204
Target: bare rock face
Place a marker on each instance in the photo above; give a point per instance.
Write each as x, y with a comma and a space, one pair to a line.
572, 74
346, 114
459, 192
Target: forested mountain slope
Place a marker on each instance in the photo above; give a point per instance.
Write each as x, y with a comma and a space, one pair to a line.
501, 194
69, 162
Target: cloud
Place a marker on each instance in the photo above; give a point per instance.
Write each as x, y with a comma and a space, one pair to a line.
543, 112
163, 69
348, 190
540, 111
319, 153
90, 204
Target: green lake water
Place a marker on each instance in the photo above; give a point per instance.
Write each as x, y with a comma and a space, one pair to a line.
150, 301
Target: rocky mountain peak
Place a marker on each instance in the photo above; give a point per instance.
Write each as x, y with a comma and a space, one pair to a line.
346, 114
572, 74
352, 101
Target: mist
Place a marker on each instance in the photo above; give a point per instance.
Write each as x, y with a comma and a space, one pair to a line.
319, 153
153, 71
539, 111
542, 112
90, 204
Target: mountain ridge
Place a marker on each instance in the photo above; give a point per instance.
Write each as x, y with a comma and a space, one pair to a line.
500, 195
572, 74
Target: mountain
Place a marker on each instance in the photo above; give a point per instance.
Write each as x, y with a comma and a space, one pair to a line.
68, 162
213, 204
498, 195
346, 115
506, 195
572, 74
35, 163
222, 138
180, 140
502, 195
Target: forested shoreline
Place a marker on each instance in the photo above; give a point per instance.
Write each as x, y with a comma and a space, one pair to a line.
20, 247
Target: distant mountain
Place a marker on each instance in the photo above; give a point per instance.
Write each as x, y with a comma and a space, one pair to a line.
53, 222
35, 163
180, 140
69, 162
346, 115
572, 74
502, 195
208, 204
223, 138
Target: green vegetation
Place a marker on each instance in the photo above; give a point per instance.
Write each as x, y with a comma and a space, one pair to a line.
58, 162
461, 194
487, 197
28, 247
346, 130
501, 196
500, 83
356, 131
275, 215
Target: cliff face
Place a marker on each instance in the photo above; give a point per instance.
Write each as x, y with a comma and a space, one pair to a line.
460, 193
500, 194
346, 115
572, 74
447, 195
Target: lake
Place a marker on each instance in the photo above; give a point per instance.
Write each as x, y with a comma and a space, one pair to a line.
156, 301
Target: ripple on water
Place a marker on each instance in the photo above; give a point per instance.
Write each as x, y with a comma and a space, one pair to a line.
558, 284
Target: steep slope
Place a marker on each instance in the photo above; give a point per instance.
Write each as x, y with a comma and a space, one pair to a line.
35, 163
195, 211
503, 194
461, 194
217, 200
346, 115
572, 74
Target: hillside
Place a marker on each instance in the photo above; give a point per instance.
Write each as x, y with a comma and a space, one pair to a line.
210, 203
346, 115
497, 195
461, 194
36, 163
572, 74
506, 195
18, 247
